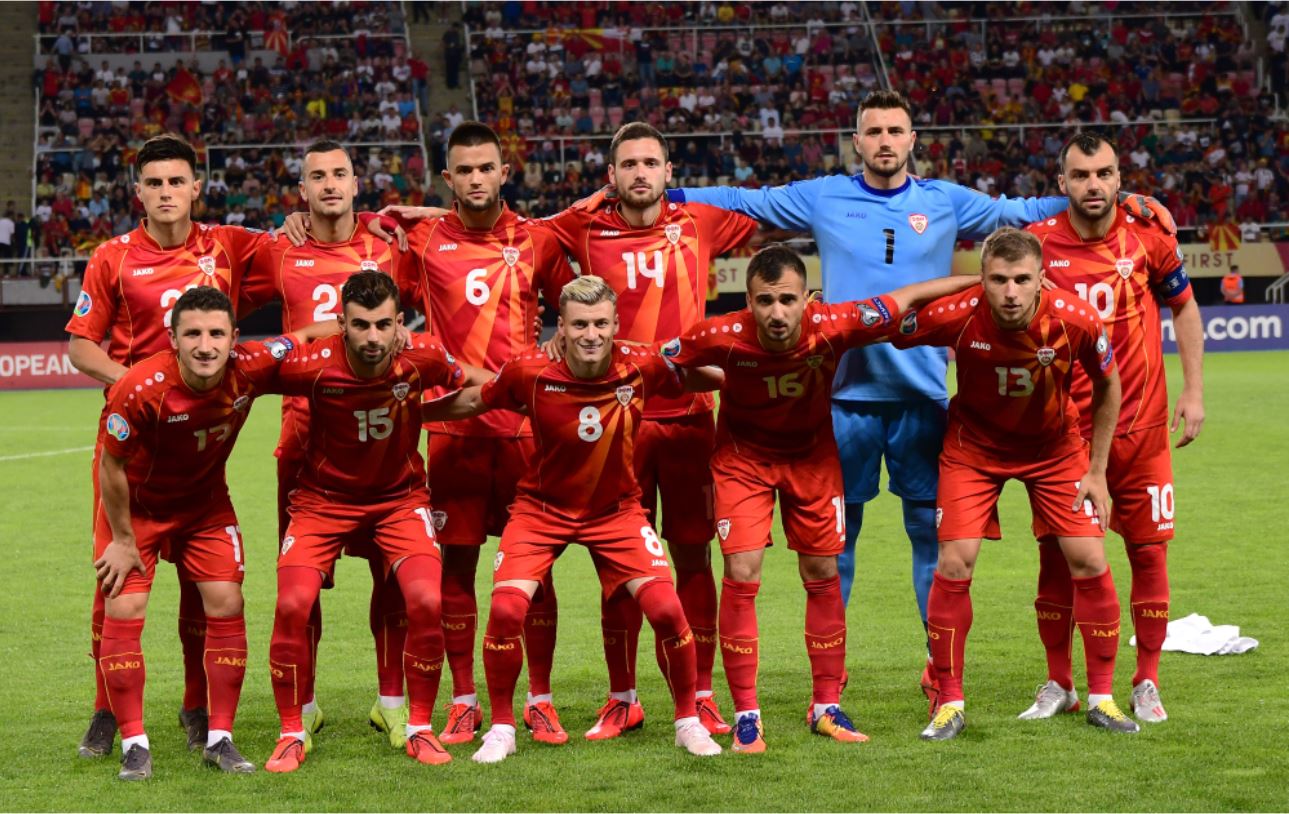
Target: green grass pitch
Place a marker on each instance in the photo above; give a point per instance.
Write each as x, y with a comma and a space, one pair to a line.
1221, 750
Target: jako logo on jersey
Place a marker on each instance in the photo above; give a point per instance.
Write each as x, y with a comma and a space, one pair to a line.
175, 419
744, 363
609, 233
401, 390
369, 265
143, 272
1046, 355
207, 264
304, 264
241, 403
333, 391
511, 255
868, 315
83, 304
672, 231
447, 247
118, 427
1059, 264
286, 545
439, 518
625, 394
723, 527
976, 344
909, 324
555, 388
1124, 266
918, 221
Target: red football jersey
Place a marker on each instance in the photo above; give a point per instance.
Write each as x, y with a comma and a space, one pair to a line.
585, 429
177, 440
479, 291
363, 433
659, 272
1013, 386
780, 403
307, 281
131, 283
1124, 277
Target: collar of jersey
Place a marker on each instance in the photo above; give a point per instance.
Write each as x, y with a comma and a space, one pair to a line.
882, 193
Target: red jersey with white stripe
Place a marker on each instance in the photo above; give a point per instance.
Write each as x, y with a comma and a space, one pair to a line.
585, 429
478, 289
363, 433
780, 402
176, 439
131, 283
1124, 276
659, 271
1013, 386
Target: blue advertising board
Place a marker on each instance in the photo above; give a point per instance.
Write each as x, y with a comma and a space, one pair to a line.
1237, 327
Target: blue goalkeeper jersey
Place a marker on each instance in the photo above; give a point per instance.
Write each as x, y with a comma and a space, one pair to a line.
872, 241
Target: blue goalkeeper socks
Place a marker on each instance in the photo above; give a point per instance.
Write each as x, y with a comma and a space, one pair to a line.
919, 523
846, 559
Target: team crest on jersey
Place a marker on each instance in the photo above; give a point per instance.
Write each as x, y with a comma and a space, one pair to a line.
287, 542
401, 390
241, 403
909, 324
723, 527
511, 255
1046, 356
496, 561
939, 516
118, 427
813, 362
918, 221
1124, 266
625, 393
439, 519
369, 265
83, 304
868, 314
672, 231
207, 265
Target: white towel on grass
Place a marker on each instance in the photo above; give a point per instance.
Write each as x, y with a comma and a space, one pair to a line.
1196, 634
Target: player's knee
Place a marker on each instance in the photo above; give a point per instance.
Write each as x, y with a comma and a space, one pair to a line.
1085, 561
691, 556
508, 609
815, 568
127, 606
744, 566
221, 599
661, 606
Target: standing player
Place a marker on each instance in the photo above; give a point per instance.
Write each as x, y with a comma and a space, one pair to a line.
1124, 269
886, 402
170, 424
307, 281
363, 480
130, 285
479, 269
1016, 347
587, 411
774, 439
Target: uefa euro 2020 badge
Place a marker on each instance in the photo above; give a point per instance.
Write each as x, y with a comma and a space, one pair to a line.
118, 427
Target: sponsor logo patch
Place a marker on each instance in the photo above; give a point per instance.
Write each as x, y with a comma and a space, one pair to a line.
118, 427
304, 264
976, 344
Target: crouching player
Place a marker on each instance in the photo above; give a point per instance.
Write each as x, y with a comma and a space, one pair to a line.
171, 423
363, 480
586, 412
774, 438
1016, 349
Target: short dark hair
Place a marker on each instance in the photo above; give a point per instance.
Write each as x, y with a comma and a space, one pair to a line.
166, 147
885, 100
1012, 245
632, 131
1088, 143
326, 145
370, 289
770, 263
201, 298
472, 134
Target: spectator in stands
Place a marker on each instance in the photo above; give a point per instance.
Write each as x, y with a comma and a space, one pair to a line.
453, 53
7, 228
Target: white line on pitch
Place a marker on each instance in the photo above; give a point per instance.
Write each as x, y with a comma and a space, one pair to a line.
26, 455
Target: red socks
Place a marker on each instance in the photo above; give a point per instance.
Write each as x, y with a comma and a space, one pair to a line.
1096, 612
192, 636
225, 663
290, 650
539, 637
948, 620
673, 642
419, 577
460, 619
1054, 607
825, 637
120, 662
620, 621
387, 617
97, 612
503, 651
740, 644
697, 592
1149, 606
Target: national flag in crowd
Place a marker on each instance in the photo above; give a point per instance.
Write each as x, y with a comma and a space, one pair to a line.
185, 87
1224, 237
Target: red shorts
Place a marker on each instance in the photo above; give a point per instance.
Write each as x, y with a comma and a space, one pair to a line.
673, 458
320, 528
1140, 474
810, 500
204, 543
295, 428
971, 479
472, 483
623, 545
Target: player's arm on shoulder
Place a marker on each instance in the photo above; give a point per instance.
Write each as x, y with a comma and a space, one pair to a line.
938, 323
919, 294
978, 214
701, 379
790, 206
1149, 210
464, 403
122, 554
